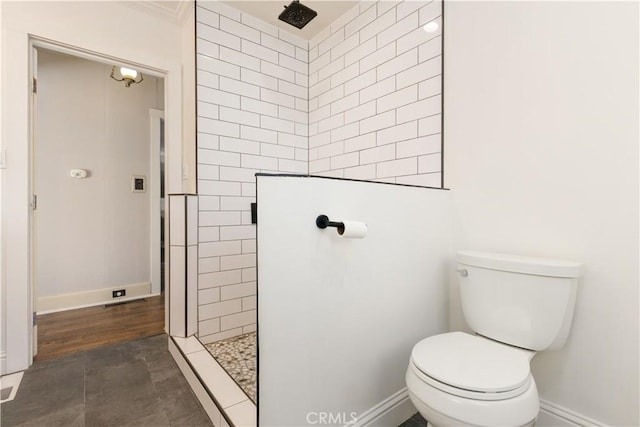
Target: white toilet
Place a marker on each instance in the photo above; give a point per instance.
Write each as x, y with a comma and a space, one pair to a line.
517, 306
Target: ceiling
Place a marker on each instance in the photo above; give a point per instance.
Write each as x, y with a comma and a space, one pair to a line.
268, 11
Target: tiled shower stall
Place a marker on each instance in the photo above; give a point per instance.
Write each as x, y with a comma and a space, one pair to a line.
361, 100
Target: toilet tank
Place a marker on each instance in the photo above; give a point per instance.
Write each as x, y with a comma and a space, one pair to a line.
521, 301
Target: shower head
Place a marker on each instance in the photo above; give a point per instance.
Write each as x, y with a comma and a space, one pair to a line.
297, 14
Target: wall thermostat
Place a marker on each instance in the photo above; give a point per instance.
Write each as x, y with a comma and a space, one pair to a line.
138, 184
78, 173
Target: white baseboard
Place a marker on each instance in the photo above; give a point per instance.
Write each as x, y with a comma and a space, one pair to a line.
52, 304
392, 411
397, 408
552, 415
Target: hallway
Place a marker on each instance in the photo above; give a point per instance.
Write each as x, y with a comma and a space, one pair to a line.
131, 383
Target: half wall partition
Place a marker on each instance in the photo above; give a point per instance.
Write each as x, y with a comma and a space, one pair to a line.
337, 317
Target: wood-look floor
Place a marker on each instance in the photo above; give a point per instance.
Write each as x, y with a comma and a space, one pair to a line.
71, 331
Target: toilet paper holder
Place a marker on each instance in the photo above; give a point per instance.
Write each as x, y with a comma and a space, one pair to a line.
346, 228
322, 221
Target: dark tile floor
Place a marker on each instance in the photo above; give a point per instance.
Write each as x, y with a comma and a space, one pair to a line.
135, 383
415, 421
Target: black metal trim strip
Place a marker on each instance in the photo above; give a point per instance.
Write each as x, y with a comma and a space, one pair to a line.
257, 318
442, 53
195, 83
290, 175
186, 266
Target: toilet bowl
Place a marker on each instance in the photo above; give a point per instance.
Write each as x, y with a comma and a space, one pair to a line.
516, 306
458, 379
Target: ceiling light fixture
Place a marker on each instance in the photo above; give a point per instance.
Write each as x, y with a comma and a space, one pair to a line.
431, 27
127, 75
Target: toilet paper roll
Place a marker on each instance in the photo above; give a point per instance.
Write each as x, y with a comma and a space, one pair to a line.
353, 230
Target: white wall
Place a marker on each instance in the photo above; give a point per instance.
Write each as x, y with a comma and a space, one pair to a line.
91, 233
541, 136
252, 117
113, 30
374, 94
338, 317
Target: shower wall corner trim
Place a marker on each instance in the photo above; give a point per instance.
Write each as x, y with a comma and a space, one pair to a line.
183, 264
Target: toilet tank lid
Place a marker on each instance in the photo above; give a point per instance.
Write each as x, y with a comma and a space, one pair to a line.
520, 264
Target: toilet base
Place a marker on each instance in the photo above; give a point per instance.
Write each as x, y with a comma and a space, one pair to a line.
441, 420
442, 409
433, 417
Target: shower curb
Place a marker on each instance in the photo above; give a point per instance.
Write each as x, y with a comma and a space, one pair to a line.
226, 404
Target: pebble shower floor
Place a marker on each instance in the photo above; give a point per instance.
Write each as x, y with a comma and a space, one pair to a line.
237, 355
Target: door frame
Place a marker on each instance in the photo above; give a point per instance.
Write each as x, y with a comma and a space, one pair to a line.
147, 41
156, 117
34, 43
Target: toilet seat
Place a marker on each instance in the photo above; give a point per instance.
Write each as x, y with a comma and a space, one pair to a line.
471, 366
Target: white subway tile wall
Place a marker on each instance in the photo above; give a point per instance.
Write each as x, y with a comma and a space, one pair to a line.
375, 95
361, 100
253, 101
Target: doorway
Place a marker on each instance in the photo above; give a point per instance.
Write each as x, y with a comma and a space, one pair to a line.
97, 164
